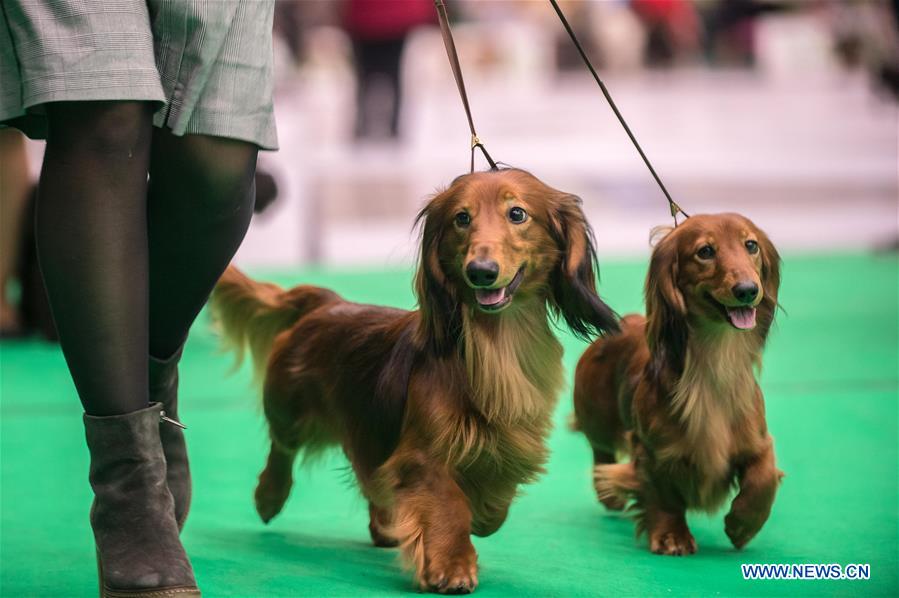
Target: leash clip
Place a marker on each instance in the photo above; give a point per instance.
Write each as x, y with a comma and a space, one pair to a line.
453, 57
476, 142
605, 92
675, 210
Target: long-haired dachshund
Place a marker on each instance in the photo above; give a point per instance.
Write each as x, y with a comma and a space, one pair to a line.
442, 411
677, 391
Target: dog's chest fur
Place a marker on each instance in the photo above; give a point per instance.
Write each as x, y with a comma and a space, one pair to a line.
515, 375
710, 406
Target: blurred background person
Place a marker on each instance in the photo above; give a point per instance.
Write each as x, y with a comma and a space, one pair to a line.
379, 30
866, 36
24, 306
672, 30
729, 29
15, 186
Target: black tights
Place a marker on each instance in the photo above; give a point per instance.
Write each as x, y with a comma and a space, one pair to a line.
128, 265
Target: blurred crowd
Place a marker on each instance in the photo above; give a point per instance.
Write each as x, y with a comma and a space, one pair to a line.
621, 35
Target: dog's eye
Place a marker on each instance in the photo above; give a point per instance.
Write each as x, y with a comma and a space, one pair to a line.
706, 252
463, 219
517, 215
752, 247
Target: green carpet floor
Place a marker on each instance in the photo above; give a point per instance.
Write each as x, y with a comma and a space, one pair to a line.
830, 381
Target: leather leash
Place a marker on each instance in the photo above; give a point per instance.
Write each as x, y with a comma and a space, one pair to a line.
675, 209
457, 74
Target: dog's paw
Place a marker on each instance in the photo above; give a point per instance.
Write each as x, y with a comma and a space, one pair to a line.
457, 575
741, 530
673, 543
270, 500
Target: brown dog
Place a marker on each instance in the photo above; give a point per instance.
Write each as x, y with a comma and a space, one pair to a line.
677, 391
442, 411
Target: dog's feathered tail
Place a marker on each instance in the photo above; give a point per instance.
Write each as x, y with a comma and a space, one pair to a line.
252, 314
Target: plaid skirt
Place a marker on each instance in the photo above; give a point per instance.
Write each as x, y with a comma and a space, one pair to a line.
207, 63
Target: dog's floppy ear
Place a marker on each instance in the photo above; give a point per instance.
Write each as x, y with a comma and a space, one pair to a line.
770, 283
440, 323
573, 282
666, 310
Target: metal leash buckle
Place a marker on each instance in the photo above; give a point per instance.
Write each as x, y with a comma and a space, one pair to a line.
675, 210
169, 420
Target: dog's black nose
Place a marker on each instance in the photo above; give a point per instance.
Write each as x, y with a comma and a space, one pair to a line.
745, 292
482, 273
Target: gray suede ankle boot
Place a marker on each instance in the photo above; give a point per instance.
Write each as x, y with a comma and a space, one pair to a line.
163, 376
133, 515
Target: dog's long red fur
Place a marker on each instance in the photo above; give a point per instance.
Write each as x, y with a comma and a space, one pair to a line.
442, 411
677, 389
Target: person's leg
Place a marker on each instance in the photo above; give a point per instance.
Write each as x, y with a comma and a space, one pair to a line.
91, 230
393, 68
92, 245
362, 59
200, 204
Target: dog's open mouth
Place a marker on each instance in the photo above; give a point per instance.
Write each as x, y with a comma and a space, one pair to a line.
741, 317
493, 300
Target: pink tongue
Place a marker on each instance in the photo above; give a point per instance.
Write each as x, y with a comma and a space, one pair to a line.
490, 296
742, 317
